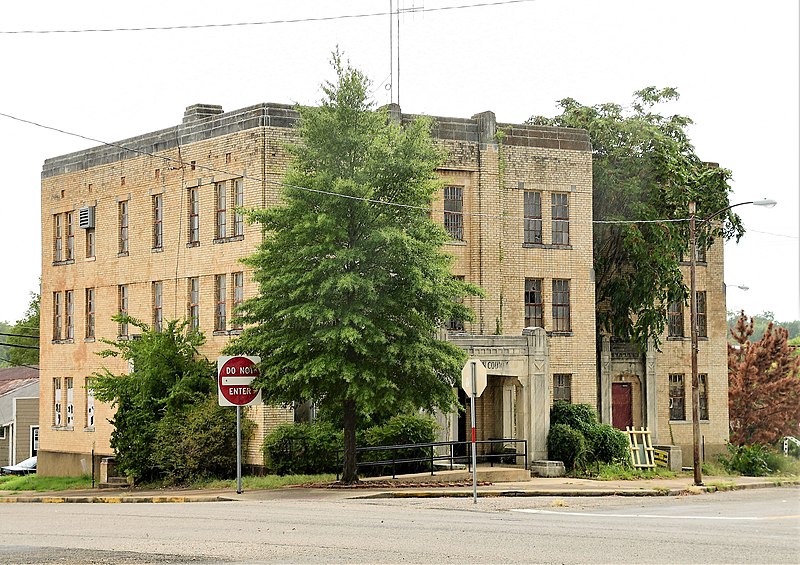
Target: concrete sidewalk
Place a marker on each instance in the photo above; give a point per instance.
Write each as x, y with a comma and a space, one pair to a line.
404, 488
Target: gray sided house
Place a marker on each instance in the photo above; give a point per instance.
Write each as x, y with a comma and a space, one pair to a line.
19, 414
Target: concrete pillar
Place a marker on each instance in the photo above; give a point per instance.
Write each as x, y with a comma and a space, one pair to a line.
605, 380
651, 392
538, 393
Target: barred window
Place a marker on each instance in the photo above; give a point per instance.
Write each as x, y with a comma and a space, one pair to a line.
122, 299
675, 316
561, 306
238, 204
194, 303
194, 216
562, 387
158, 221
238, 298
677, 397
560, 218
90, 310
702, 314
220, 310
454, 211
222, 209
702, 380
534, 304
533, 216
158, 305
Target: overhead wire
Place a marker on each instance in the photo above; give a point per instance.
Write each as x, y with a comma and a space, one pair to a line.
260, 23
7, 360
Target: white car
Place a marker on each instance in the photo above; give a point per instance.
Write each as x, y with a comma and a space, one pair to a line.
24, 468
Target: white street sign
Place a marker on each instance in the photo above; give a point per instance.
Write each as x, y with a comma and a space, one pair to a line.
480, 377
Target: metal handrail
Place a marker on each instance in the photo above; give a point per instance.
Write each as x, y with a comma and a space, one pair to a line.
431, 457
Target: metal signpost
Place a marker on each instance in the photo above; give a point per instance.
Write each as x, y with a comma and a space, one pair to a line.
473, 381
234, 375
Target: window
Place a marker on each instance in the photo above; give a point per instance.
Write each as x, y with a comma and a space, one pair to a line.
700, 253
533, 216
222, 209
562, 387
194, 303
57, 401
534, 304
194, 216
702, 381
238, 298
238, 204
122, 306
123, 227
70, 403
70, 221
675, 319
456, 325
58, 238
58, 315
158, 305
90, 242
560, 218
677, 397
454, 211
90, 310
702, 314
69, 326
220, 320
158, 221
89, 404
561, 310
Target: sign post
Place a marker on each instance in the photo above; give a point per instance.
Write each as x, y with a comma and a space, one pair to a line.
473, 381
234, 375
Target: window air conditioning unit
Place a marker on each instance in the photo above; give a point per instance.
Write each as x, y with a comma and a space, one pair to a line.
86, 217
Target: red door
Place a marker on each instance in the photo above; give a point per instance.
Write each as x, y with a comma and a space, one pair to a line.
621, 405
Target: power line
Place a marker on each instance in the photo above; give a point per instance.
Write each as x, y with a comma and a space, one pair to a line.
261, 23
425, 209
20, 346
20, 335
7, 360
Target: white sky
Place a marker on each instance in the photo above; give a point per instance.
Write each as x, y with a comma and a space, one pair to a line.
734, 62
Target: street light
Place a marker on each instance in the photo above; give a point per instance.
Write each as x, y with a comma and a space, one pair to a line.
698, 473
726, 286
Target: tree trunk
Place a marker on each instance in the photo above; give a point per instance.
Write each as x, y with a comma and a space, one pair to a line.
349, 471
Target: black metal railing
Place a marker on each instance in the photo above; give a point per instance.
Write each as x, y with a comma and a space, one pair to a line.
507, 451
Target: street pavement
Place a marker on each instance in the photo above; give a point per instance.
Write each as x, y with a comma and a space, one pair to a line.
536, 486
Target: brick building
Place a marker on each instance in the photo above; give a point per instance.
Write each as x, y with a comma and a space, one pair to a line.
149, 226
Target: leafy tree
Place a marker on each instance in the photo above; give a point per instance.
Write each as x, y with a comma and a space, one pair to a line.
167, 376
644, 169
763, 385
28, 325
352, 288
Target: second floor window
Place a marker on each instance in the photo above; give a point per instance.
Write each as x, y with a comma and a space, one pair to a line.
158, 305
675, 319
123, 227
90, 309
560, 218
122, 298
69, 304
222, 209
220, 310
194, 303
533, 217
194, 216
70, 220
561, 307
158, 221
454, 211
58, 237
238, 204
702, 314
58, 315
702, 381
534, 304
677, 397
238, 297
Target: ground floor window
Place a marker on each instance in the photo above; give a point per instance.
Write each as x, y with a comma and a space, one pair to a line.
562, 387
677, 397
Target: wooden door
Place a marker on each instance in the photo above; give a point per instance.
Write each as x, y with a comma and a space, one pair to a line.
621, 405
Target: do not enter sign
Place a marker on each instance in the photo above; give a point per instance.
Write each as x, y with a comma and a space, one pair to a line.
234, 375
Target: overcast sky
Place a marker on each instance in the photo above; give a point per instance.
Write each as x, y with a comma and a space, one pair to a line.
734, 62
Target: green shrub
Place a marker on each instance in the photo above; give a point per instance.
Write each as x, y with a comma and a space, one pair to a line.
581, 417
750, 460
399, 430
608, 444
568, 445
197, 441
303, 449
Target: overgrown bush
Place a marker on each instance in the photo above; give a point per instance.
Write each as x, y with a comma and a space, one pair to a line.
581, 417
607, 444
567, 444
399, 430
304, 449
198, 442
750, 460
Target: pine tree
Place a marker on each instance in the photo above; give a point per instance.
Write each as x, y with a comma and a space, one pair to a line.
763, 385
353, 282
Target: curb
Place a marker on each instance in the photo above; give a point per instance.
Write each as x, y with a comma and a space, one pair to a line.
110, 499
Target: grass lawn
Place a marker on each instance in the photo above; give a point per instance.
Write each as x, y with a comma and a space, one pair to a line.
40, 484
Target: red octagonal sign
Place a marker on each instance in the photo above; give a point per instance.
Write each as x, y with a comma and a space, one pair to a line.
234, 375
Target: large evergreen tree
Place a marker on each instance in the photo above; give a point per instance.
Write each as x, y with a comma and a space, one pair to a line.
353, 282
644, 169
763, 385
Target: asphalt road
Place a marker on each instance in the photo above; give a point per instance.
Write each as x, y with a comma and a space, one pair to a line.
752, 526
